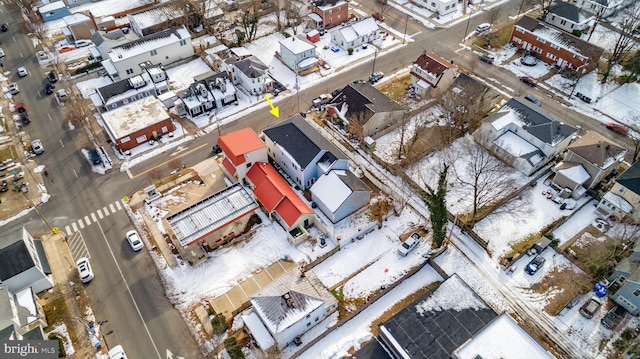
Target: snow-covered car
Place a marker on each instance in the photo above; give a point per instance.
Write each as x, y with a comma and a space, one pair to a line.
535, 264
590, 308
84, 270
376, 76
22, 72
134, 240
409, 244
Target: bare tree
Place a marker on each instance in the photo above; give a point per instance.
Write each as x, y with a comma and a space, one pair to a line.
78, 113
599, 14
250, 18
355, 124
545, 6
382, 7
295, 13
487, 178
25, 5
463, 110
39, 31
635, 139
626, 40
492, 16
402, 131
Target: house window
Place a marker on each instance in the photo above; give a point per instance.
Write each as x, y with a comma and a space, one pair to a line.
183, 42
554, 46
153, 52
520, 30
517, 40
551, 56
248, 164
446, 7
540, 40
129, 71
317, 319
621, 190
622, 279
433, 4
308, 315
125, 139
636, 292
564, 22
141, 139
125, 100
164, 129
537, 49
308, 324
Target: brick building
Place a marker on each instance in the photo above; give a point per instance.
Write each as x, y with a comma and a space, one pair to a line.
329, 13
554, 46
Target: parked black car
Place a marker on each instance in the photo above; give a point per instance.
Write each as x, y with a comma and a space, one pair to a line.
51, 76
5, 27
614, 317
216, 150
488, 59
48, 89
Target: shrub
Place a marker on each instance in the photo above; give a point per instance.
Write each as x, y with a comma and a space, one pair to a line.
61, 352
350, 50
286, 34
87, 68
219, 324
576, 33
234, 350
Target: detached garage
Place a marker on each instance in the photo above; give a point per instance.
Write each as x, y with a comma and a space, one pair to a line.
339, 193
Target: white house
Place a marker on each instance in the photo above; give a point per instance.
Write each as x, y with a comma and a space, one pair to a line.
251, 74
290, 306
297, 54
604, 7
339, 193
23, 263
569, 17
441, 7
209, 91
524, 135
162, 47
242, 149
21, 313
362, 32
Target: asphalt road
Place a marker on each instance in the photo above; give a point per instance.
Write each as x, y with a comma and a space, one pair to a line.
127, 290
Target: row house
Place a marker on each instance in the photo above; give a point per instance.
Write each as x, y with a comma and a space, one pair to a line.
151, 82
206, 94
554, 46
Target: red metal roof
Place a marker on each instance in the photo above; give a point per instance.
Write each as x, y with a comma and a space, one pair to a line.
236, 144
275, 194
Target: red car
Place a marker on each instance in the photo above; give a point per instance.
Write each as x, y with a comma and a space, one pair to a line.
621, 129
529, 81
66, 49
378, 16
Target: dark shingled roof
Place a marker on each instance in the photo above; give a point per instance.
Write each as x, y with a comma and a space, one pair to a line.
14, 259
252, 67
34, 334
566, 10
630, 178
436, 333
44, 261
597, 149
353, 182
538, 121
7, 333
301, 140
560, 37
366, 99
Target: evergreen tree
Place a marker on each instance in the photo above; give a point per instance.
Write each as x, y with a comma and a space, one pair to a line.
437, 203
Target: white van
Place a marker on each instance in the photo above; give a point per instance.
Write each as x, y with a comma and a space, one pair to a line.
482, 28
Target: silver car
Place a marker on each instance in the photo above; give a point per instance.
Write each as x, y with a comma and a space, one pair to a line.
13, 88
36, 146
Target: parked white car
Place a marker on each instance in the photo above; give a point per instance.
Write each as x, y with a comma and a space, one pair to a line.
134, 240
117, 352
409, 244
22, 72
84, 270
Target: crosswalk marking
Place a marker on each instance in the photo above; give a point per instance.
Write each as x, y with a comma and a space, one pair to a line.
93, 217
77, 246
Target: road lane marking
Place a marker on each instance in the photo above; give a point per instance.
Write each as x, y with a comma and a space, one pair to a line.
62, 144
50, 119
93, 217
75, 228
106, 211
81, 224
74, 172
118, 205
182, 154
144, 323
67, 230
86, 219
100, 214
113, 209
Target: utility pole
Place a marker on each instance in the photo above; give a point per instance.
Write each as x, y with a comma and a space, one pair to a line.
295, 66
404, 36
373, 69
464, 36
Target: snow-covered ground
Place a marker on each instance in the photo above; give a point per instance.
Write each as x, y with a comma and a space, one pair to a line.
180, 77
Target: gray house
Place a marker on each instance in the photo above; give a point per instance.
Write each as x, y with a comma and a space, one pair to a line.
569, 17
297, 53
23, 263
152, 82
20, 314
302, 152
626, 277
210, 91
339, 193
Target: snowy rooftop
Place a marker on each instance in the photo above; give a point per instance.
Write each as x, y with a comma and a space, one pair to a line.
76, 18
514, 144
154, 16
331, 190
558, 37
197, 221
296, 45
503, 338
148, 43
51, 6
573, 171
131, 118
258, 331
25, 299
618, 201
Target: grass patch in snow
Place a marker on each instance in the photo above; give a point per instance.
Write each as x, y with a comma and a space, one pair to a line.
397, 88
570, 284
531, 239
55, 311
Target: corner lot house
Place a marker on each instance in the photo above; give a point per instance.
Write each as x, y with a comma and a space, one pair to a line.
554, 46
162, 47
302, 152
241, 149
587, 161
524, 135
365, 109
23, 263
623, 198
440, 7
297, 54
432, 74
137, 123
362, 32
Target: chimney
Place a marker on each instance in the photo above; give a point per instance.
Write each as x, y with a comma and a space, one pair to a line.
560, 125
424, 52
608, 146
288, 300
